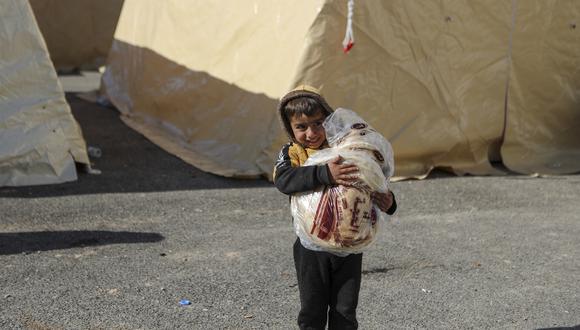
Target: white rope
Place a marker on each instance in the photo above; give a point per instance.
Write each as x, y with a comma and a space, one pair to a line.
348, 41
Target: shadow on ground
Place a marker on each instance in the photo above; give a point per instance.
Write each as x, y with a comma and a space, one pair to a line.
26, 242
129, 162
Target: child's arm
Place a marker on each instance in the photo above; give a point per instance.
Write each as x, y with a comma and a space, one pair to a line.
385, 201
343, 174
290, 179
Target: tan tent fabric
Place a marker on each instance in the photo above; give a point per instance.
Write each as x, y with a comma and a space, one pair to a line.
202, 80
543, 126
78, 33
40, 138
429, 75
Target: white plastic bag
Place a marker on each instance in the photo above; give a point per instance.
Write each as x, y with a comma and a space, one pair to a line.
341, 219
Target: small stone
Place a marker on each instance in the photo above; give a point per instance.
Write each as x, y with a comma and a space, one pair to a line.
113, 292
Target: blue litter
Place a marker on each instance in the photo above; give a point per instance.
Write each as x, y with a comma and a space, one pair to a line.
184, 302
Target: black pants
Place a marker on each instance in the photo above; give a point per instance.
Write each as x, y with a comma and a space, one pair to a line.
329, 286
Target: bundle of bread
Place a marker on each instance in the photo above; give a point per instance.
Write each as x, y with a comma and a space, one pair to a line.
343, 219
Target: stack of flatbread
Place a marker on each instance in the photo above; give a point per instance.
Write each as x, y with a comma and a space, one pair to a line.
341, 219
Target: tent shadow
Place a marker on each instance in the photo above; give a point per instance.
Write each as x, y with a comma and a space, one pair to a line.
27, 242
129, 162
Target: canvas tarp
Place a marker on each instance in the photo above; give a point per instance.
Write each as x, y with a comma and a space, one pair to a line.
543, 111
78, 33
202, 79
40, 139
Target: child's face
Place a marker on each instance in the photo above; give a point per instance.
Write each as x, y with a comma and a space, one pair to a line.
308, 130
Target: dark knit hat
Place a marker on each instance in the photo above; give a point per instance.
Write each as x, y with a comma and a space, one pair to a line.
298, 92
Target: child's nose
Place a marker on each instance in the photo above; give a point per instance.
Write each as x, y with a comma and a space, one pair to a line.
312, 131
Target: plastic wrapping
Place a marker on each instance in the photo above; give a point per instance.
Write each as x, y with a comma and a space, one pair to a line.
341, 219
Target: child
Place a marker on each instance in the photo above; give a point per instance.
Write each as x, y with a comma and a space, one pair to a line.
328, 284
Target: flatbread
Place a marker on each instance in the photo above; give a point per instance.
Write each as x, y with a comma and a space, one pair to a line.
339, 218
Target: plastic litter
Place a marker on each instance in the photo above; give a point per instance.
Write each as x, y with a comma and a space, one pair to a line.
87, 168
94, 152
103, 101
184, 302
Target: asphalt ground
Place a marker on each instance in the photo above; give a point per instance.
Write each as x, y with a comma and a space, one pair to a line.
120, 250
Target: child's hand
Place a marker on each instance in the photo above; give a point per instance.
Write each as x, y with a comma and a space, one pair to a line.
343, 174
383, 200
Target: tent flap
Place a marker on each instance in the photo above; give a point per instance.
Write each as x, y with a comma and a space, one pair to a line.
40, 138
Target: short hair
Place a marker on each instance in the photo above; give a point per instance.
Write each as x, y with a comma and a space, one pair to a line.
303, 106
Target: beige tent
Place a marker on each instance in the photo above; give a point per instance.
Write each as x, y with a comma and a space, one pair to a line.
452, 84
40, 139
543, 110
78, 33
